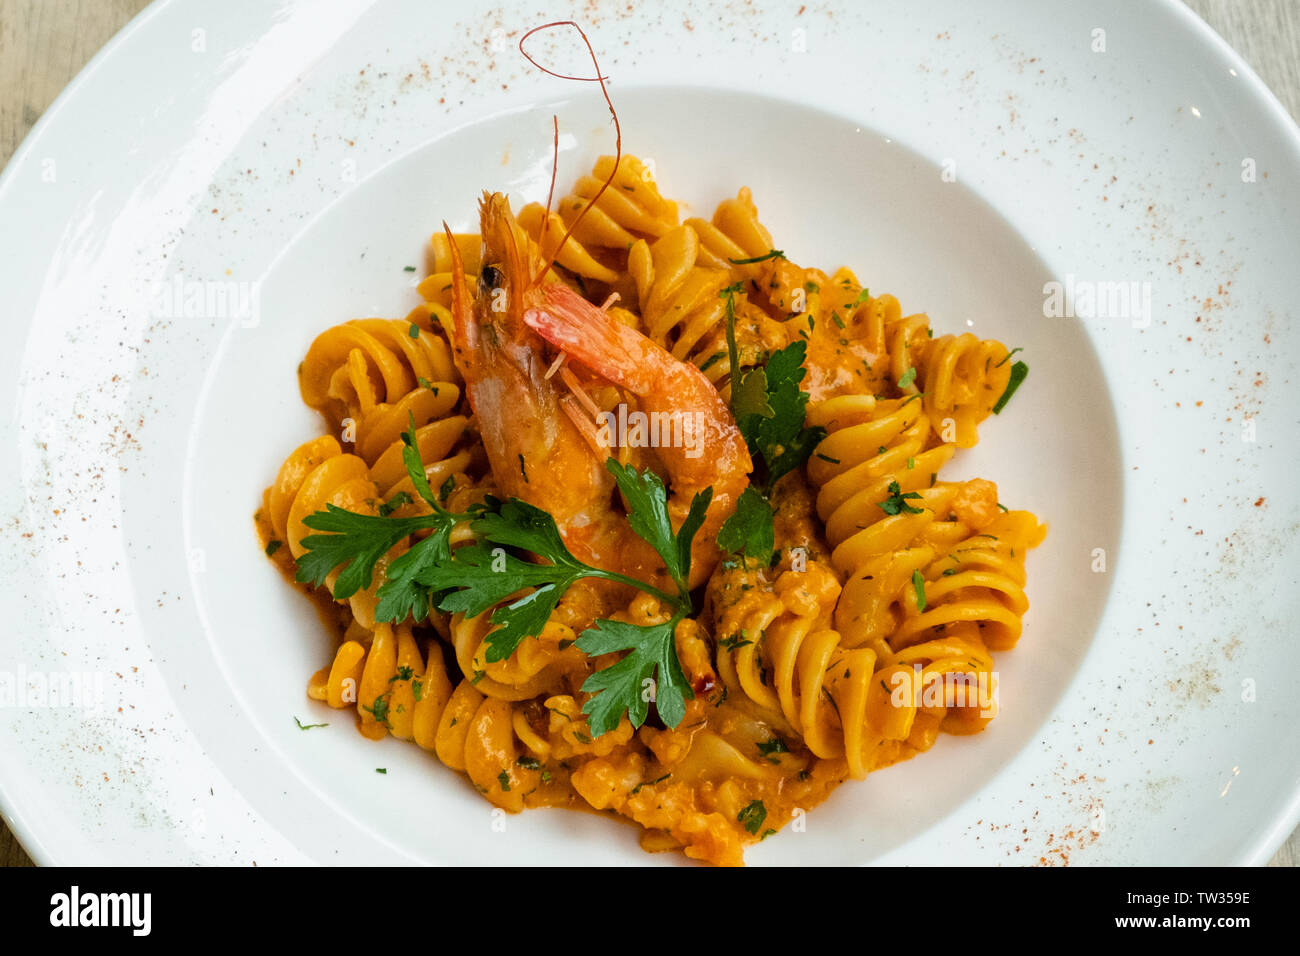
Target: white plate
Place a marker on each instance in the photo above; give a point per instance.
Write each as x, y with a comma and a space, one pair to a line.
304, 152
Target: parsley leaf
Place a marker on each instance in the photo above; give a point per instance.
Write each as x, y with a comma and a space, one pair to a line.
620, 688
752, 816
356, 540
749, 395
648, 514
1008, 356
770, 254
749, 530
415, 465
781, 440
479, 577
1018, 372
897, 501
728, 295
403, 594
393, 503
918, 585
734, 641
774, 746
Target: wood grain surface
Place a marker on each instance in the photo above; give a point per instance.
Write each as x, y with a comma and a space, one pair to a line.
44, 43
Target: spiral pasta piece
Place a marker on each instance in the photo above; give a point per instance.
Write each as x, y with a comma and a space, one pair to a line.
319, 473
734, 234
534, 667
934, 571
782, 653
962, 376
354, 367
631, 208
397, 689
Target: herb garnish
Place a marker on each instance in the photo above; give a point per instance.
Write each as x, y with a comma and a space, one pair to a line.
492, 572
752, 816
897, 501
774, 746
1008, 356
771, 254
768, 406
749, 531
1018, 372
393, 503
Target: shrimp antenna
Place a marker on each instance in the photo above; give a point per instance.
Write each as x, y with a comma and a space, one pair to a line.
550, 193
618, 133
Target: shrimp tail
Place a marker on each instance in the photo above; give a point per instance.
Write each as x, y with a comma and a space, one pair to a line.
614, 351
715, 455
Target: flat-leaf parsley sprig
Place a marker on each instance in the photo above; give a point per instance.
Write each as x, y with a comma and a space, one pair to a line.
769, 409
495, 571
485, 574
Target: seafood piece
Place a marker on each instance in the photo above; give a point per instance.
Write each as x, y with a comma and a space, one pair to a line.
551, 460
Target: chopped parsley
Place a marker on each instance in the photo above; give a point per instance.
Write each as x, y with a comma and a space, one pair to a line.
1007, 357
734, 641
1018, 373
752, 816
772, 254
774, 746
649, 783
393, 503
897, 501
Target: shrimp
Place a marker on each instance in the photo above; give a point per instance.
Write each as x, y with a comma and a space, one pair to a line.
538, 435
666, 390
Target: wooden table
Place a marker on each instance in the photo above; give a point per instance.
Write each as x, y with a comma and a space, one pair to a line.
43, 43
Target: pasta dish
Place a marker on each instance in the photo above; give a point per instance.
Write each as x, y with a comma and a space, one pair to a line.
635, 514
